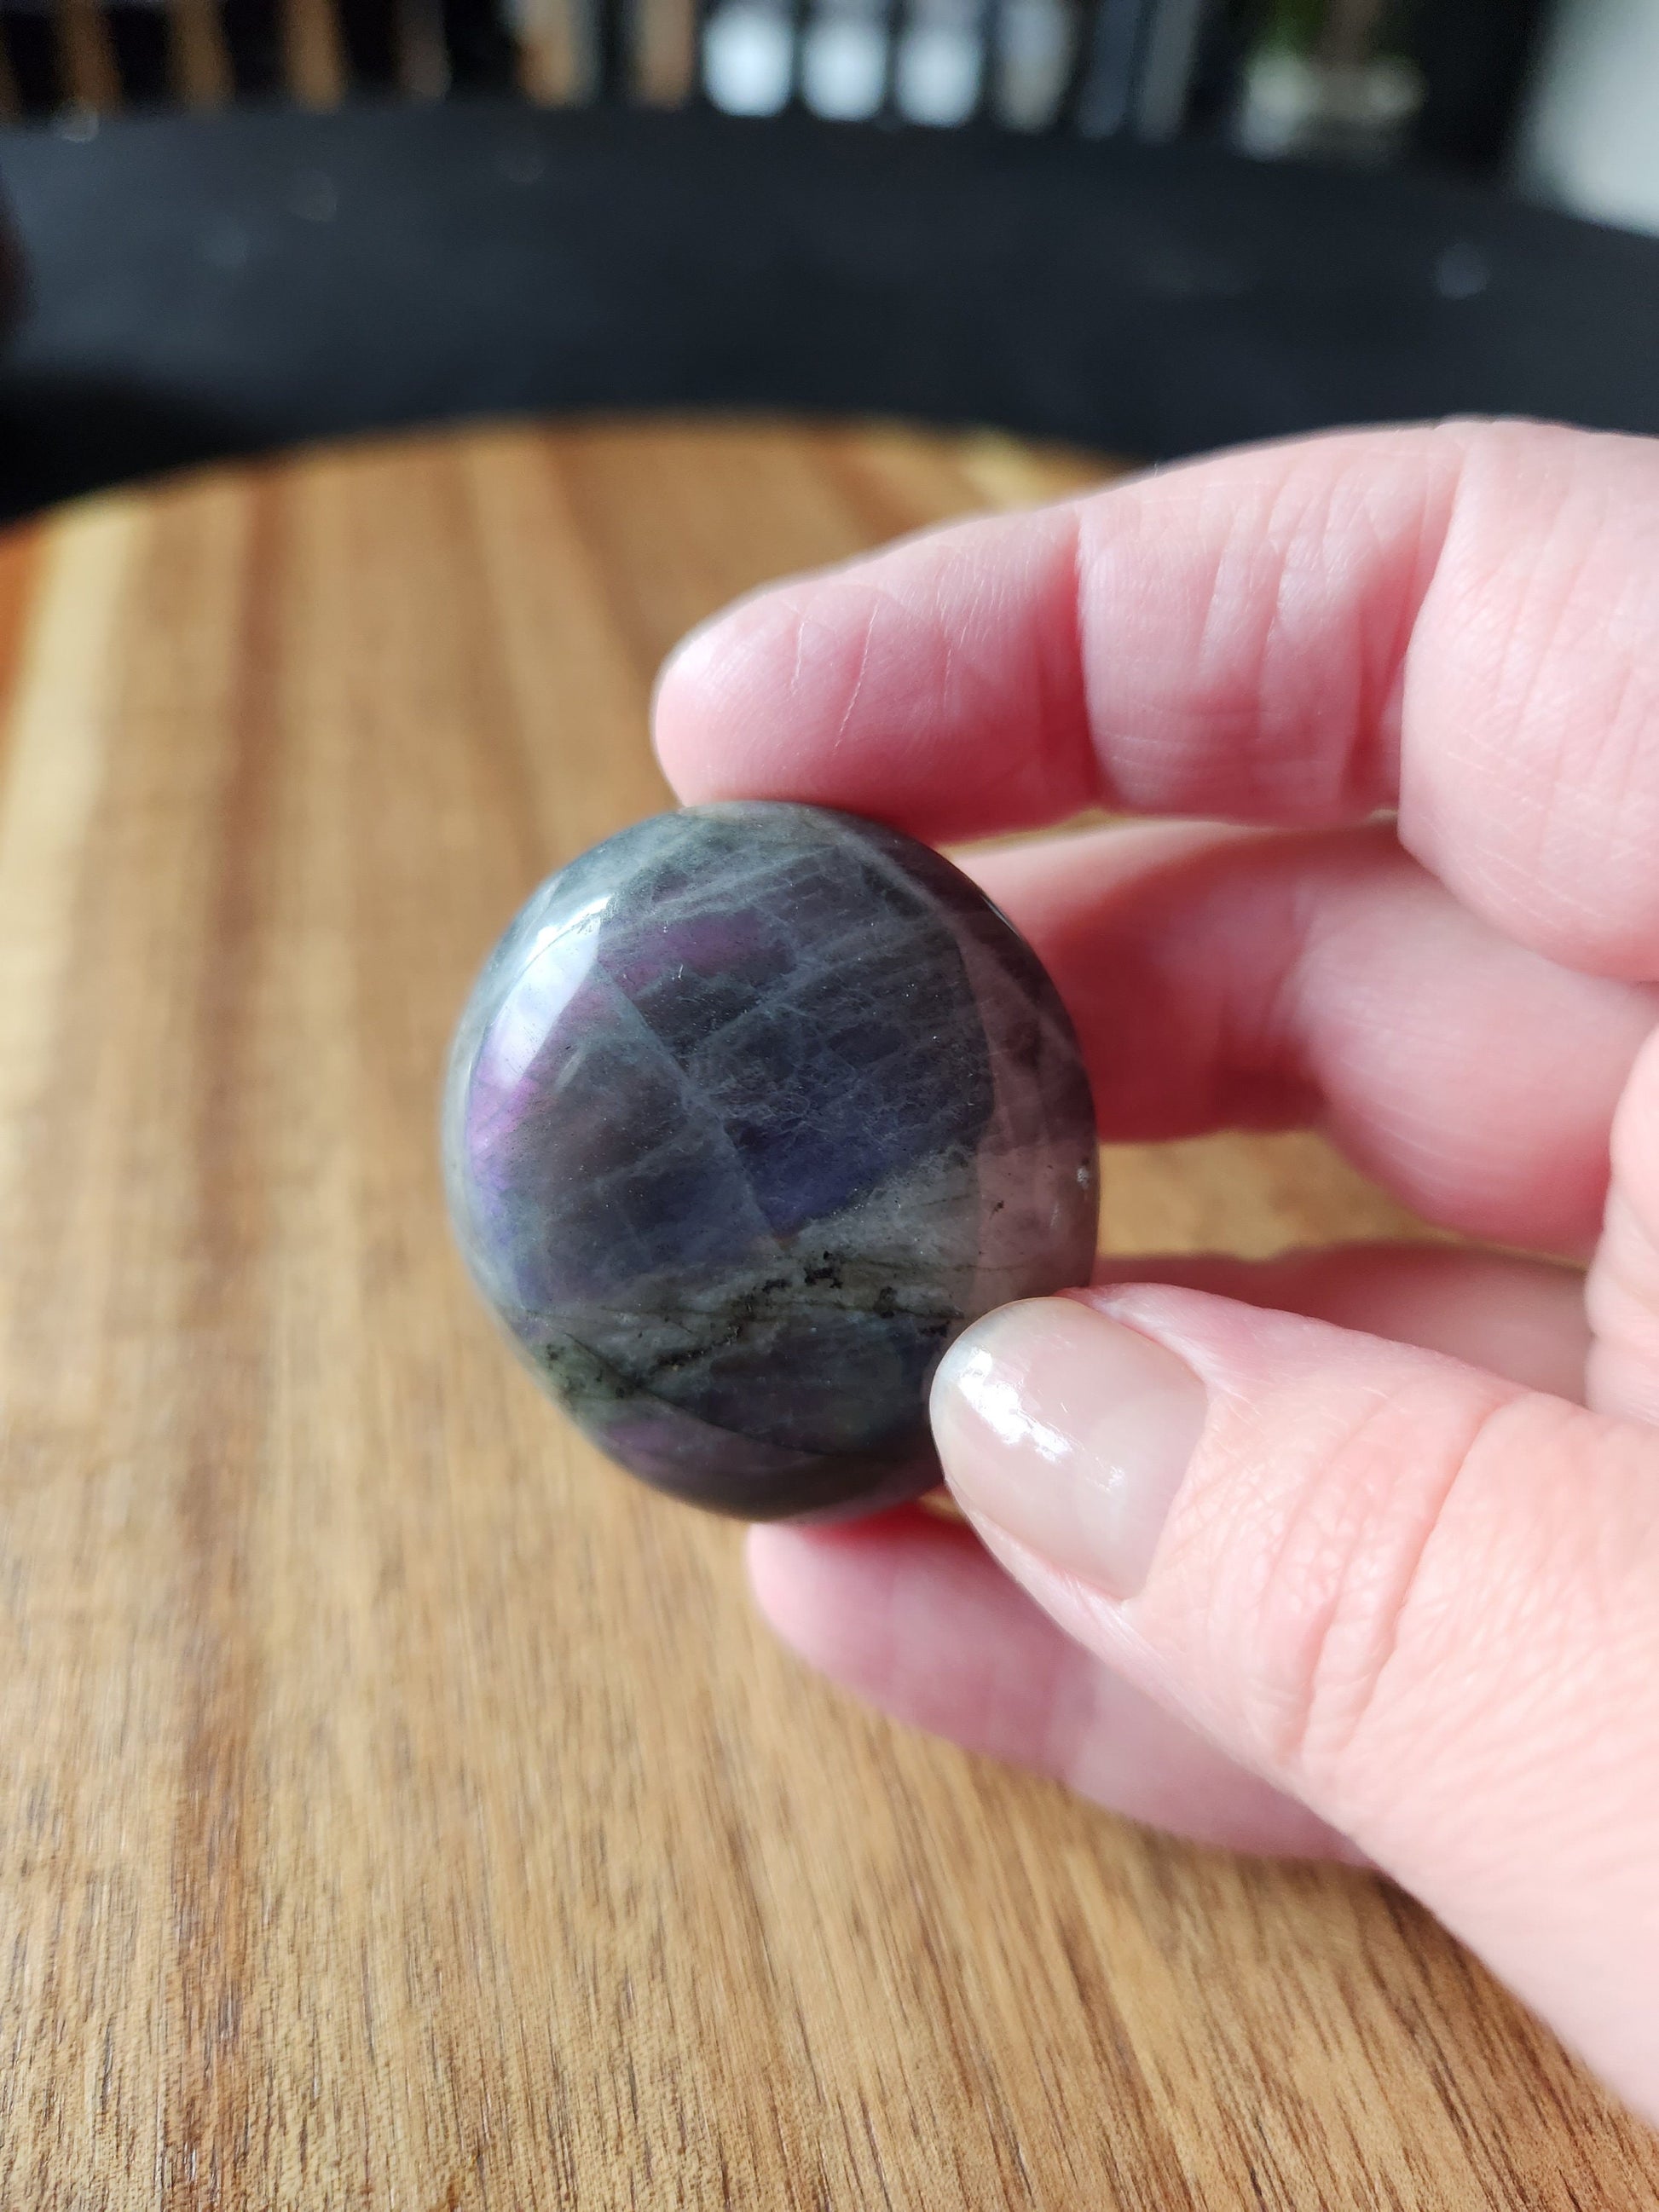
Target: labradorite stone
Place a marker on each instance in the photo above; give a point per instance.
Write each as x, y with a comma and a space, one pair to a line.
754, 1108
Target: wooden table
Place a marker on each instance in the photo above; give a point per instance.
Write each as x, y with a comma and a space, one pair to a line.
397, 1810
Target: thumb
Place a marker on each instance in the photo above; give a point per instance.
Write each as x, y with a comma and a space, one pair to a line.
1423, 1600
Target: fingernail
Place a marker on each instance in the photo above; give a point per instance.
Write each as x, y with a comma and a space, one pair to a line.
1070, 1432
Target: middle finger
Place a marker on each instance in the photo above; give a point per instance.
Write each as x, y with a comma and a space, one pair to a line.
1223, 978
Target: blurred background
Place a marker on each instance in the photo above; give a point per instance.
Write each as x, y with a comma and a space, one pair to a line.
1560, 97
1149, 225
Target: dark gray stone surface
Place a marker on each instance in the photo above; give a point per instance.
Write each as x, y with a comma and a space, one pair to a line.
753, 1109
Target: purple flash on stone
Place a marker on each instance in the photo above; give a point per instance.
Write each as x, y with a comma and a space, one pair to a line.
753, 1109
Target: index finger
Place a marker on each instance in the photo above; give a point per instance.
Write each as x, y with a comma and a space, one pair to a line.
1460, 621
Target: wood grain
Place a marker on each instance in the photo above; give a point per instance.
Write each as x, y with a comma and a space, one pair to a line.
397, 1809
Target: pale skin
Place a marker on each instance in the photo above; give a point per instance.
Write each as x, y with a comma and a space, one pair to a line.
1355, 1554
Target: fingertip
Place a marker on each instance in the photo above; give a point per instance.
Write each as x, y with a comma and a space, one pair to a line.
726, 716
935, 686
687, 702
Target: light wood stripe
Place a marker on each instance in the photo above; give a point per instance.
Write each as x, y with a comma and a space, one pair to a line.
62, 691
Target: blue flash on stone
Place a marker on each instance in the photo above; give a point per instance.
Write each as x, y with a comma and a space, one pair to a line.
754, 1109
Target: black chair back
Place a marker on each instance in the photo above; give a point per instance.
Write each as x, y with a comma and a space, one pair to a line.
1092, 66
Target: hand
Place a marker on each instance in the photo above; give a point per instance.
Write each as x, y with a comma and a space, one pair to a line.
1356, 1552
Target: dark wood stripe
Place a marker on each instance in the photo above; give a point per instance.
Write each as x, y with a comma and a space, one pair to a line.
20, 571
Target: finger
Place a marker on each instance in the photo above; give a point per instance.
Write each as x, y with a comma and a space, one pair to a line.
1458, 620
916, 1618
1622, 1295
911, 1615
1421, 1600
1521, 1319
1223, 978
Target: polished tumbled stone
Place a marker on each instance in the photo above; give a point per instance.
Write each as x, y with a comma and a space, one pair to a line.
755, 1106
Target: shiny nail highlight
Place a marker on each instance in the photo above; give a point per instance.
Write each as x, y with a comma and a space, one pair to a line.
1070, 1430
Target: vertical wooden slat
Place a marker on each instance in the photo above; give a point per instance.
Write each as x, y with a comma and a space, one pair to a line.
551, 60
666, 52
202, 72
89, 75
313, 68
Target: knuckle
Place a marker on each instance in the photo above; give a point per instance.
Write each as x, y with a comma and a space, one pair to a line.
1534, 650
